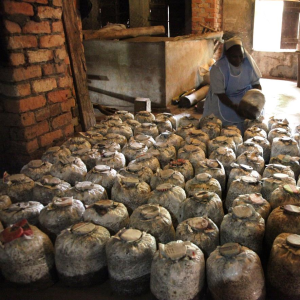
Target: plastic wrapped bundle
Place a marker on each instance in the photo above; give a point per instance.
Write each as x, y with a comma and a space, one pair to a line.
261, 205
245, 185
164, 153
170, 197
252, 104
203, 204
131, 192
48, 187
100, 128
112, 120
182, 166
143, 138
144, 117
148, 129
77, 143
147, 160
70, 169
201, 231
285, 194
132, 123
167, 176
211, 118
129, 257
80, 257
23, 210
214, 168
26, 255
5, 202
88, 156
245, 226
195, 142
212, 129
272, 169
170, 138
184, 131
186, 120
60, 214
285, 146
87, 192
133, 149
226, 156
259, 122
137, 171
200, 135
163, 125
282, 124
107, 145
155, 220
122, 129
278, 132
18, 187
103, 175
272, 120
253, 159
109, 214
124, 115
254, 131
192, 153
92, 137
167, 116
221, 141
36, 169
115, 160
296, 134
287, 160
177, 271
116, 138
236, 137
283, 267
250, 147
282, 219
53, 154
265, 144
237, 171
203, 182
235, 272
270, 184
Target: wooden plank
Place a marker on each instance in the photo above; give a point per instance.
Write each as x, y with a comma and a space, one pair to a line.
77, 59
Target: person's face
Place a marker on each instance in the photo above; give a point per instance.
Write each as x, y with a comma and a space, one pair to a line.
235, 55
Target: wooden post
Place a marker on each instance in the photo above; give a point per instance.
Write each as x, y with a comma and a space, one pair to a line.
77, 59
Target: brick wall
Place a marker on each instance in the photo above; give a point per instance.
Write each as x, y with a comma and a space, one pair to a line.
37, 101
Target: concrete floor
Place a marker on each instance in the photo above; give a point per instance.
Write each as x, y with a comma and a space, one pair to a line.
282, 101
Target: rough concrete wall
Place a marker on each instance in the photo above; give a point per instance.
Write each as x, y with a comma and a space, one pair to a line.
238, 19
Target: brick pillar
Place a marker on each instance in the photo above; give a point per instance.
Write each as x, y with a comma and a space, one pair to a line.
37, 101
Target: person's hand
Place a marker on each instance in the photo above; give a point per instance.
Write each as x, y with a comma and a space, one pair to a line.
236, 108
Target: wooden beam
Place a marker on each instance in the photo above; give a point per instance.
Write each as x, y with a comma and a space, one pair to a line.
77, 60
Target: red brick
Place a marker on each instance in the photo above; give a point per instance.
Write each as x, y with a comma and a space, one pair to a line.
27, 119
55, 109
36, 130
16, 90
12, 27
42, 114
22, 147
23, 105
49, 41
57, 26
17, 59
37, 1
32, 146
62, 120
37, 27
47, 12
48, 69
43, 85
16, 120
64, 82
57, 3
58, 96
40, 56
24, 73
67, 105
61, 68
13, 8
60, 53
21, 42
48, 138
68, 130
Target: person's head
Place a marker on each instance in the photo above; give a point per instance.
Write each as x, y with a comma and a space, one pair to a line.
234, 51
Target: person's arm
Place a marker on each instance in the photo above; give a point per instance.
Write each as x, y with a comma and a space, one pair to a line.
257, 86
225, 100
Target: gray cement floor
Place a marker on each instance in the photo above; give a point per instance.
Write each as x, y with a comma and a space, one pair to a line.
283, 100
